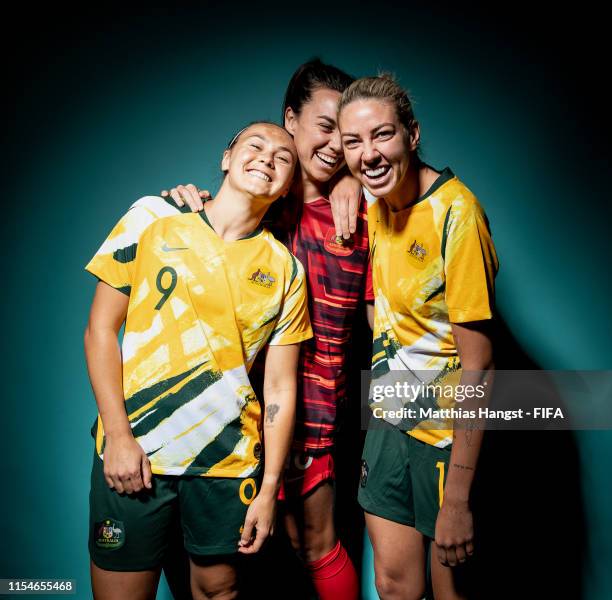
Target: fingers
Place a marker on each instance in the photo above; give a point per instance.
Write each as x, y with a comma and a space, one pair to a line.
176, 196
146, 472
191, 196
336, 217
253, 546
109, 481
343, 215
247, 532
451, 556
353, 209
116, 483
126, 482
260, 538
441, 552
461, 554
187, 194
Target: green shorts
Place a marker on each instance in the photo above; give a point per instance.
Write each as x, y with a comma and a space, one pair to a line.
402, 478
132, 532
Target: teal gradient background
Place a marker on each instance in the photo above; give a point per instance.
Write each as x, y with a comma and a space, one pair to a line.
108, 108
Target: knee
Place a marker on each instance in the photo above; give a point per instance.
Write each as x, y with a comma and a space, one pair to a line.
207, 588
317, 543
200, 592
392, 586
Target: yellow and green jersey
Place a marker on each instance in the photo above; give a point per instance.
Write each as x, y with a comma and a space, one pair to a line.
433, 264
200, 309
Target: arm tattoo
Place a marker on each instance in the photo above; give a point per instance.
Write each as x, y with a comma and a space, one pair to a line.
271, 412
463, 467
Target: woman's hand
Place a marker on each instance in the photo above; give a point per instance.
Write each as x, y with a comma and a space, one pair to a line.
344, 199
126, 466
454, 536
187, 194
258, 524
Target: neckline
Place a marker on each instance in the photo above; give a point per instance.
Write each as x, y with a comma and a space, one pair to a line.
444, 177
258, 230
319, 200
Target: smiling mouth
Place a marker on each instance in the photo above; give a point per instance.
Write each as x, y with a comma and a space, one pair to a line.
259, 175
326, 159
378, 173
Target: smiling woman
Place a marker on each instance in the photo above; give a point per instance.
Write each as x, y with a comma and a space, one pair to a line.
434, 265
200, 295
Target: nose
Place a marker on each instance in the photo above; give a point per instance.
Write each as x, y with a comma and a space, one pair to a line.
335, 142
267, 158
369, 153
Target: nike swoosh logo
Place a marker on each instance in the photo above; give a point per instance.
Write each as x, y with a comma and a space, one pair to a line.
165, 248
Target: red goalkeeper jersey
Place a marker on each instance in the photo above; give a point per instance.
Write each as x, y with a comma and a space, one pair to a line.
338, 278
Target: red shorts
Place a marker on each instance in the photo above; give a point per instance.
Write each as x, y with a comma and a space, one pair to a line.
304, 472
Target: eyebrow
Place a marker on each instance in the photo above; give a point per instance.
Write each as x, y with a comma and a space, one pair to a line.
326, 118
371, 130
263, 139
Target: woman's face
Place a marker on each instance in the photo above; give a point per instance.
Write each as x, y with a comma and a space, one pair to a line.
316, 135
261, 162
377, 147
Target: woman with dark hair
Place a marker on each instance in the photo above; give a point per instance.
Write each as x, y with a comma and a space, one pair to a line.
337, 277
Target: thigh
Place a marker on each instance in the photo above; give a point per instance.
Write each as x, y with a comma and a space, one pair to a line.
309, 522
214, 577
118, 585
385, 487
428, 468
213, 510
129, 532
399, 556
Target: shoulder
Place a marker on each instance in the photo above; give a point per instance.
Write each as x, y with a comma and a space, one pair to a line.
153, 208
146, 212
459, 200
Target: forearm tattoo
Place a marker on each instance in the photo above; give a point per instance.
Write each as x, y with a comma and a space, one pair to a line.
463, 467
271, 412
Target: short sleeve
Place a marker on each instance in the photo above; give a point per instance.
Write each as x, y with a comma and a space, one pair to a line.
293, 325
470, 263
114, 262
369, 288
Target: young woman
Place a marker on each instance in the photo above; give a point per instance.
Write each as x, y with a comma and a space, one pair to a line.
336, 271
433, 265
179, 427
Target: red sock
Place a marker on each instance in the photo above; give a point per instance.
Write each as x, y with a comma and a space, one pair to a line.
334, 575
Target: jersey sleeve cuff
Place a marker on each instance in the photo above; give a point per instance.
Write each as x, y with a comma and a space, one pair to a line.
460, 315
294, 338
124, 289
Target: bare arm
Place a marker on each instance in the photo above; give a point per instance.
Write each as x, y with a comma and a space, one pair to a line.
126, 467
454, 527
344, 198
280, 387
370, 314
